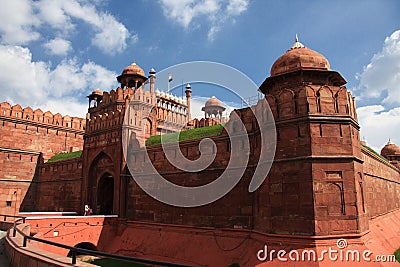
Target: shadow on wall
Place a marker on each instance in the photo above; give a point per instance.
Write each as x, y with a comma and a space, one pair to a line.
56, 186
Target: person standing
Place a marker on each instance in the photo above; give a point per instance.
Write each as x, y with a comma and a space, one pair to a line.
87, 210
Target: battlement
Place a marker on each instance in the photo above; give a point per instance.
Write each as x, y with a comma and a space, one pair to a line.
106, 120
27, 114
58, 167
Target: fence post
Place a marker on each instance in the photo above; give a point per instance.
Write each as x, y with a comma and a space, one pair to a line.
5, 217
24, 242
23, 220
73, 257
14, 230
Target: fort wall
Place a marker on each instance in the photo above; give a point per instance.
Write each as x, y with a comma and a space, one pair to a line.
46, 133
381, 184
283, 199
27, 139
58, 186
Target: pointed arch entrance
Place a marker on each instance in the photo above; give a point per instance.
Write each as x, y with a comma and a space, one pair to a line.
102, 185
105, 194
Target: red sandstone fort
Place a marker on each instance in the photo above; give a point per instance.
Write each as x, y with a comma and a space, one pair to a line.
324, 184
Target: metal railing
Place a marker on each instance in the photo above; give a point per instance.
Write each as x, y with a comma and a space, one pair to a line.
75, 250
12, 216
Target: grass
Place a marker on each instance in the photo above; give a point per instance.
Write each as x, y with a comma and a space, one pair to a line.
397, 255
373, 151
65, 156
115, 263
191, 134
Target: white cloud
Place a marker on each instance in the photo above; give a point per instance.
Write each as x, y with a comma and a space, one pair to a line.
217, 12
110, 35
17, 22
134, 38
378, 125
235, 7
381, 77
51, 12
213, 32
63, 88
58, 46
66, 106
21, 21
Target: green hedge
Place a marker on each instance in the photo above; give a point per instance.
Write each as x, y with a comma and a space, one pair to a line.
373, 151
397, 255
191, 134
65, 156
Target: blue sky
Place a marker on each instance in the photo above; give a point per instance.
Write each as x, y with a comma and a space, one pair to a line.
55, 52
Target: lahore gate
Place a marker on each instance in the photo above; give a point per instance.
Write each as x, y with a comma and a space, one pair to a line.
324, 183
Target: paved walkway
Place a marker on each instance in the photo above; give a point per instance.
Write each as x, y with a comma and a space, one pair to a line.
3, 258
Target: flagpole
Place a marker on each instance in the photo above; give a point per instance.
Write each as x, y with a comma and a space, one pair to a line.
169, 81
182, 89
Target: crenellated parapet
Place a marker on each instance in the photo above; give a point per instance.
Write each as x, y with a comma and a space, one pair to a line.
24, 115
104, 121
49, 169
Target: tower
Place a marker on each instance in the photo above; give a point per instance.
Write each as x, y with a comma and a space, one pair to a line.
95, 98
188, 91
391, 152
213, 107
132, 76
152, 78
104, 180
316, 182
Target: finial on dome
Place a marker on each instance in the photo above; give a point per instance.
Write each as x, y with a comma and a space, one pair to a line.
297, 44
389, 142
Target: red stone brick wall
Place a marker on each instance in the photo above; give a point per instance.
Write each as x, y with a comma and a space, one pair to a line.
283, 204
233, 210
16, 173
71, 230
58, 186
27, 138
38, 137
381, 184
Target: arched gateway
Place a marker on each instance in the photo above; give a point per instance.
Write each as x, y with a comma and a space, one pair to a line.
105, 194
101, 185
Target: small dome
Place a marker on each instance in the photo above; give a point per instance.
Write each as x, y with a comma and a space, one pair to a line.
97, 92
158, 92
390, 149
299, 57
133, 69
213, 102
